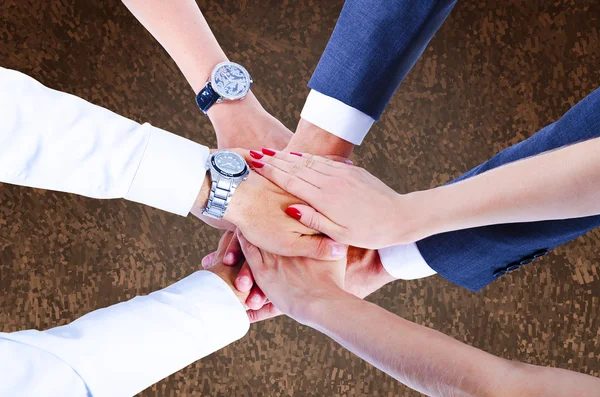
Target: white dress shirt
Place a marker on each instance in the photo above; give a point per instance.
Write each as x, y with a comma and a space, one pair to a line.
57, 141
402, 261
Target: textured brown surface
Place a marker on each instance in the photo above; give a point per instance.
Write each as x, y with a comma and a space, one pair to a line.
495, 73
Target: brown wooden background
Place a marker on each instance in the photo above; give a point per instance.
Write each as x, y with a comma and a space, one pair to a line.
495, 73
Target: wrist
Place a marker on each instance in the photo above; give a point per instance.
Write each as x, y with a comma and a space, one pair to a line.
202, 198
246, 124
312, 139
228, 274
418, 216
312, 308
224, 113
238, 205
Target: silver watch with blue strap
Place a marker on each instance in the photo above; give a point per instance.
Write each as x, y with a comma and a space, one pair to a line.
228, 81
227, 170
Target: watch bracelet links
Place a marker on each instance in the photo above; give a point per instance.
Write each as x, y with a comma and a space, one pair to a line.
221, 192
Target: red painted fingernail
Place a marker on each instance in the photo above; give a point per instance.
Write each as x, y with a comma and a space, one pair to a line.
257, 164
268, 152
256, 155
293, 212
296, 154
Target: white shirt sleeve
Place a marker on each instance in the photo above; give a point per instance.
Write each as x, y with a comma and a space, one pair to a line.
405, 262
336, 117
57, 141
125, 348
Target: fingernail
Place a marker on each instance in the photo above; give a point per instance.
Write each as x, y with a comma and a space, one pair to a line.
245, 281
349, 162
255, 299
296, 154
229, 259
257, 164
268, 152
207, 260
293, 212
256, 155
338, 250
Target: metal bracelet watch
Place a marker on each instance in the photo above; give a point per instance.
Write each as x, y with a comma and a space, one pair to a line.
228, 81
227, 170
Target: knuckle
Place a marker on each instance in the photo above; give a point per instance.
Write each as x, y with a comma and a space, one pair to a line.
296, 168
309, 162
323, 248
289, 183
253, 315
314, 223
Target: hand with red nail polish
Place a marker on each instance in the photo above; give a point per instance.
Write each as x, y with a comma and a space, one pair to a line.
256, 210
343, 202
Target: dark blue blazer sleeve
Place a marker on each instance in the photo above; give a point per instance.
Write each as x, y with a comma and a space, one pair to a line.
475, 257
373, 46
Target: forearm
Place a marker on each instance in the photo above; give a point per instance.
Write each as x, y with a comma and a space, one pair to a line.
122, 349
560, 184
182, 30
311, 139
429, 361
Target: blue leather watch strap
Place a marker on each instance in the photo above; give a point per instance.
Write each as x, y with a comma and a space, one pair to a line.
206, 98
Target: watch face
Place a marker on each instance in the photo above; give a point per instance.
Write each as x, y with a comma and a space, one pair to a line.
229, 163
230, 80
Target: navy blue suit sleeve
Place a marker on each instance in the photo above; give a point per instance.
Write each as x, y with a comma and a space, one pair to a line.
374, 45
475, 257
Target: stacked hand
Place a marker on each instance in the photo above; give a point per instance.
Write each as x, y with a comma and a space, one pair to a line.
321, 183
257, 210
292, 283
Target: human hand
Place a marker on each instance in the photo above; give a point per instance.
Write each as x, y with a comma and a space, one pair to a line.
257, 210
227, 272
244, 282
365, 274
246, 124
346, 203
290, 282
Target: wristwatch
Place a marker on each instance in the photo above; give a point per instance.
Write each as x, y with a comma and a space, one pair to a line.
228, 81
227, 170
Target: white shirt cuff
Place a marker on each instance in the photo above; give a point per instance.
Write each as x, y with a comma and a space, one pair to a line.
405, 262
124, 348
170, 174
336, 117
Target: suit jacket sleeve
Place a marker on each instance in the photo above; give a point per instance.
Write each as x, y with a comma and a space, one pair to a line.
373, 46
125, 348
475, 257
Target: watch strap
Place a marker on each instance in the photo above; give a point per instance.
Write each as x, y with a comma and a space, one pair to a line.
221, 191
206, 98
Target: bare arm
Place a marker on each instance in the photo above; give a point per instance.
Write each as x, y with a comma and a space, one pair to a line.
423, 359
433, 363
182, 30
561, 184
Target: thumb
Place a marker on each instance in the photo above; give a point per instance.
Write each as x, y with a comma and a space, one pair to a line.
267, 311
314, 220
252, 254
320, 247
